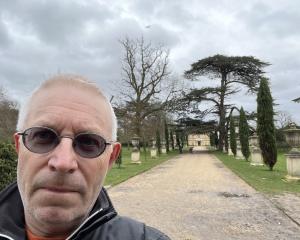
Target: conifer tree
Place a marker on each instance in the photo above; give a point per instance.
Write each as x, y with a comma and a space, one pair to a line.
167, 136
265, 124
232, 137
172, 140
244, 134
212, 139
158, 143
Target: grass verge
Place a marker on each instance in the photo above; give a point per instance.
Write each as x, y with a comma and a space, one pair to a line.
259, 177
127, 170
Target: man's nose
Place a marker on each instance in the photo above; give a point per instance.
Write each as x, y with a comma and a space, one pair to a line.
63, 158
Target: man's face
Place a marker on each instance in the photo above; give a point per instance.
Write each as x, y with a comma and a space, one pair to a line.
59, 188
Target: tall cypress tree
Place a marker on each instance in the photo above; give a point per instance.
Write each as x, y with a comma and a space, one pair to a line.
179, 141
232, 136
265, 124
172, 140
212, 139
244, 134
167, 136
158, 143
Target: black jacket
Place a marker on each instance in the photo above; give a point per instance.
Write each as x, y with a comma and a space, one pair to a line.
103, 222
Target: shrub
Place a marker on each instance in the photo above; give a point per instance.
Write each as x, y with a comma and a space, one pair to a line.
8, 164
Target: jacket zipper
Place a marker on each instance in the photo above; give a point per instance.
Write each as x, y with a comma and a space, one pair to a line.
5, 236
82, 224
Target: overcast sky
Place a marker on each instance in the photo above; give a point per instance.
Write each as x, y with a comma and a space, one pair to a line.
39, 38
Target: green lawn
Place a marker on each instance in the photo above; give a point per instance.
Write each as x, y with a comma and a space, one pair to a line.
260, 177
128, 170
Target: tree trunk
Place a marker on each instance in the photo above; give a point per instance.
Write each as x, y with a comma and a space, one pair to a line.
222, 111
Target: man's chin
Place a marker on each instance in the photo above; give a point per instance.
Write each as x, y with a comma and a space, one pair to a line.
56, 215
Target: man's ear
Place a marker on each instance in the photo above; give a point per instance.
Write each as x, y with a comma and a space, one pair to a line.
115, 153
17, 142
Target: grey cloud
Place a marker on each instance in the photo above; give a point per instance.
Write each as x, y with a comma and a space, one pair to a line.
41, 38
4, 36
56, 21
271, 22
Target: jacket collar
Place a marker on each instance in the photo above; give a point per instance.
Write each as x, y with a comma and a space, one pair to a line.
12, 221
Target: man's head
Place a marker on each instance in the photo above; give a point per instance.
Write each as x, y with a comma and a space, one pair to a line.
59, 186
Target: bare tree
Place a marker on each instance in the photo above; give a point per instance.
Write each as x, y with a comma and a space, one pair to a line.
282, 119
147, 86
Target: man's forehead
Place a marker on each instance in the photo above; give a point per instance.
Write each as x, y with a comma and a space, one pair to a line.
58, 123
51, 107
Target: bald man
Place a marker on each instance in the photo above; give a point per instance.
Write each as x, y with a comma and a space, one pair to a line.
66, 144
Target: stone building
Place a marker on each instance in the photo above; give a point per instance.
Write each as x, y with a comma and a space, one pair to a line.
198, 140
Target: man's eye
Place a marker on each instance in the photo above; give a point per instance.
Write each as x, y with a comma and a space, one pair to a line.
43, 136
89, 141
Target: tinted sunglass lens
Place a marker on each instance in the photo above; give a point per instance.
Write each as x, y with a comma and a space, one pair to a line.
89, 145
40, 140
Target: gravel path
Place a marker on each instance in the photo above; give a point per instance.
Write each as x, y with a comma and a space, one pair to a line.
194, 197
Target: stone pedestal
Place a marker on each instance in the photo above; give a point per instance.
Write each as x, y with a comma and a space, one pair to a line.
153, 152
239, 154
293, 165
230, 153
164, 150
135, 157
256, 157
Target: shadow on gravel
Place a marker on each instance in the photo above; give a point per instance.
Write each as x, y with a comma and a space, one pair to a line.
233, 195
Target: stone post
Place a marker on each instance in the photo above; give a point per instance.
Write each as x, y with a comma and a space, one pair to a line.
230, 153
292, 135
135, 154
293, 165
163, 147
153, 151
256, 157
239, 154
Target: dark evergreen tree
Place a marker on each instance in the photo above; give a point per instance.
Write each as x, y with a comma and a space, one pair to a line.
158, 143
244, 134
232, 136
226, 143
179, 141
265, 124
172, 140
212, 139
167, 136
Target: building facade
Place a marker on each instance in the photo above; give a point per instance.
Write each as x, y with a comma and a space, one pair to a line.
198, 140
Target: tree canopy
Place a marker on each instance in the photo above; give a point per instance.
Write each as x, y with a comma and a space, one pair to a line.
230, 71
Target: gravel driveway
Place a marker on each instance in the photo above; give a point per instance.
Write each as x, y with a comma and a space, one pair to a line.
194, 196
